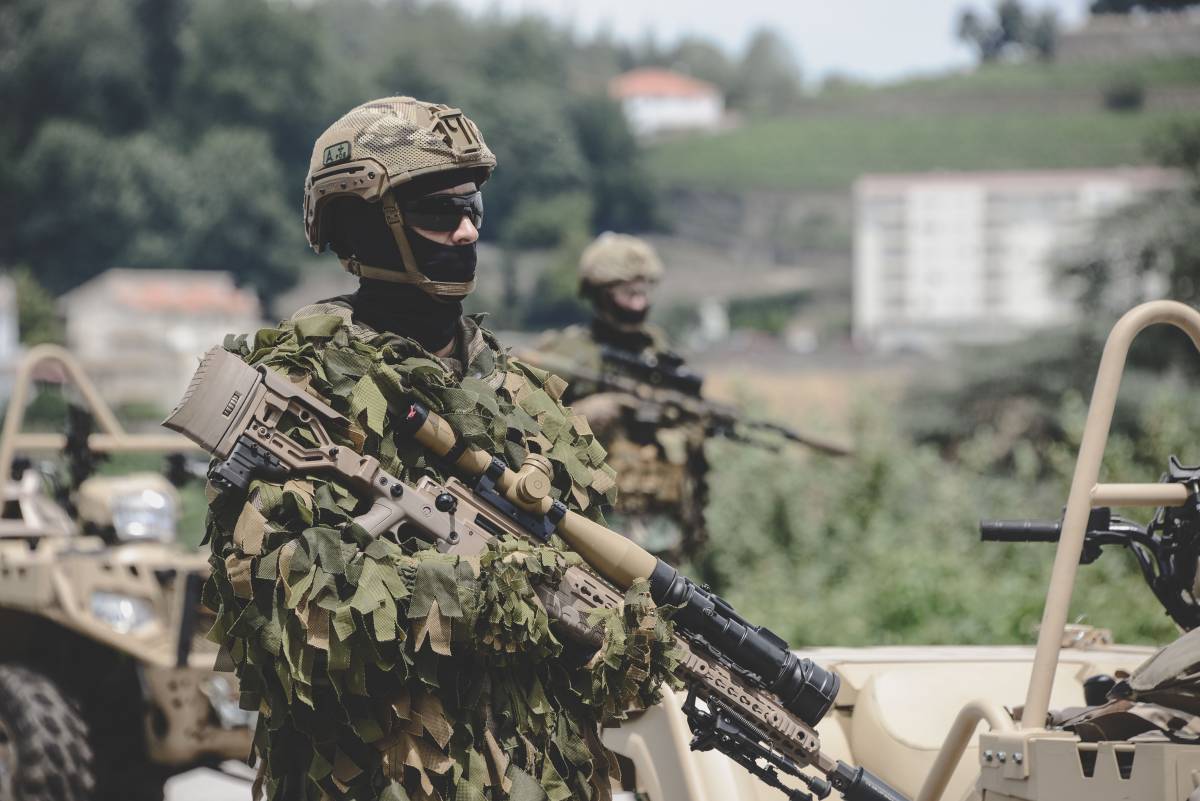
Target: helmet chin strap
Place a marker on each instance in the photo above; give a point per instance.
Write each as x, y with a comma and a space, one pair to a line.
412, 273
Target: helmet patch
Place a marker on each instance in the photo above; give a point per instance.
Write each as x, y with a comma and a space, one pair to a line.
335, 154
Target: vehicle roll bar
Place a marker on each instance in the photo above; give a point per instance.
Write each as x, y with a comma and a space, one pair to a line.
1087, 493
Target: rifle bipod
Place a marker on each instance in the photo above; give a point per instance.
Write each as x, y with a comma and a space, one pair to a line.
720, 728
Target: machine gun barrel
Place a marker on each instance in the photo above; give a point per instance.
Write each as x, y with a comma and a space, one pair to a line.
1020, 530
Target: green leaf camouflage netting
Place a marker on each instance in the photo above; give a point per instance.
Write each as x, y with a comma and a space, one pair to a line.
383, 669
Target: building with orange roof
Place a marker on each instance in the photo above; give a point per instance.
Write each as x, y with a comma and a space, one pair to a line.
140, 333
658, 100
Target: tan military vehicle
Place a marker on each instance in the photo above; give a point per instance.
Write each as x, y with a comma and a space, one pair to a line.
106, 681
1075, 719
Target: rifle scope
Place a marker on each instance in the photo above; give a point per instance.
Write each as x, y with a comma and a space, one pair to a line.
804, 687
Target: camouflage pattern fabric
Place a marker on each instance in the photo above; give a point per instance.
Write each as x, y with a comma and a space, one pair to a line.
382, 669
660, 466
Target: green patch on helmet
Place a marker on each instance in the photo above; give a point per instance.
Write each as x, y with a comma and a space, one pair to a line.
335, 154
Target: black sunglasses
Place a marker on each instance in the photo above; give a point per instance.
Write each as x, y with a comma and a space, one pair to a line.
443, 212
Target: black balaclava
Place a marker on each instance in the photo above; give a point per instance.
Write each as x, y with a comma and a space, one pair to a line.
617, 326
359, 229
408, 311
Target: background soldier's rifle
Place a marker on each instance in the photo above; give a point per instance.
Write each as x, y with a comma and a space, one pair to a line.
671, 394
749, 696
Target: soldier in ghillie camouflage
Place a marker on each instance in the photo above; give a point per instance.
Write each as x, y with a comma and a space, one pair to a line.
656, 450
384, 669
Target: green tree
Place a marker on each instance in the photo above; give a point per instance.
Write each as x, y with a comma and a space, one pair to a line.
77, 59
161, 22
704, 60
256, 64
96, 202
542, 165
230, 223
1013, 29
556, 302
38, 320
152, 133
80, 203
622, 194
526, 50
768, 79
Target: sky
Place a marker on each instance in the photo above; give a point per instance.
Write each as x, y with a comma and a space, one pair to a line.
876, 40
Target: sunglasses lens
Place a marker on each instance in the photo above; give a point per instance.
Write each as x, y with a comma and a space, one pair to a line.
444, 212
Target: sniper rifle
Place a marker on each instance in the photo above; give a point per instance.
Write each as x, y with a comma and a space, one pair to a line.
749, 696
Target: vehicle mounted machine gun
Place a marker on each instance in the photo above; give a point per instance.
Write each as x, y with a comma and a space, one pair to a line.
1166, 549
749, 696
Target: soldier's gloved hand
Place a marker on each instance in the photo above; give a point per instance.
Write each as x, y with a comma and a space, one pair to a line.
603, 410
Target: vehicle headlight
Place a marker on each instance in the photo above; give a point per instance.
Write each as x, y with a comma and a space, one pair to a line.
124, 613
144, 515
223, 696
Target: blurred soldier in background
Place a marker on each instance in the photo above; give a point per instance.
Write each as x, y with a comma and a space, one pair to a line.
614, 367
384, 669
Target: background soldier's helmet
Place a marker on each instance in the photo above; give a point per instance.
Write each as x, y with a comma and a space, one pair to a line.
382, 145
617, 257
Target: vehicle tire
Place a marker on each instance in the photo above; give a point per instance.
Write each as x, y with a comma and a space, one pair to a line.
44, 749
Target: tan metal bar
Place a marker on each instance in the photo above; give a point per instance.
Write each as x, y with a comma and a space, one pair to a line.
113, 437
1079, 502
1139, 494
956, 742
107, 443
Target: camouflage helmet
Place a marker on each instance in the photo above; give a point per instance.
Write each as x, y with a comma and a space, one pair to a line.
617, 257
382, 145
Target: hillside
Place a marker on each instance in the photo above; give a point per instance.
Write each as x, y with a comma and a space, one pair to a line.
1000, 117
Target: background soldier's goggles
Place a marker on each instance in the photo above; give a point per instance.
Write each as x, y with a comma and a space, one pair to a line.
443, 212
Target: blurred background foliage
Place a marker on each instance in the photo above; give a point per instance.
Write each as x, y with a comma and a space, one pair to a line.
175, 132
884, 548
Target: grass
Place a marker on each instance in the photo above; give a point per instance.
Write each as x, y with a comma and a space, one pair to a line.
831, 151
1007, 116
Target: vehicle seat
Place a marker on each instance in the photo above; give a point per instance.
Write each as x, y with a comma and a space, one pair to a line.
902, 714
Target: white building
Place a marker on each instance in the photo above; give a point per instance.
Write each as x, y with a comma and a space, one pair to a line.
944, 258
657, 100
140, 333
10, 344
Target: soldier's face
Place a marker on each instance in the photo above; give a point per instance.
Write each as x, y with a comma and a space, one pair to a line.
631, 296
465, 234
